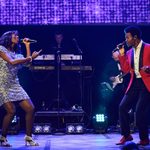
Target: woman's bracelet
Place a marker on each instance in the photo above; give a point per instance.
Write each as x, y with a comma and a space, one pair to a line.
30, 58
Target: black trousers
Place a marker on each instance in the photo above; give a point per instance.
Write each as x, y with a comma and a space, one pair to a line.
139, 97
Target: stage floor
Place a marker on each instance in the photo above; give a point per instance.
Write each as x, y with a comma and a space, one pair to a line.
70, 142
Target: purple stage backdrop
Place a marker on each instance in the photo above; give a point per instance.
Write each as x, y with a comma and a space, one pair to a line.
45, 12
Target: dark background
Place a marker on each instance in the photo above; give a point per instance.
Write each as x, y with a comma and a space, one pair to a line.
96, 42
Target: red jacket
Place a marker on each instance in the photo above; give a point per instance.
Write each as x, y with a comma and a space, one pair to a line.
127, 64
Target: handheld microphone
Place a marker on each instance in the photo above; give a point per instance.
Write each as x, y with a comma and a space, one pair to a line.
119, 46
28, 40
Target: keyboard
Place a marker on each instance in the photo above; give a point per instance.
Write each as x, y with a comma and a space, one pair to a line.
65, 68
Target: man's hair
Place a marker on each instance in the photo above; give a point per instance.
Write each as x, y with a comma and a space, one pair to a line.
58, 33
134, 30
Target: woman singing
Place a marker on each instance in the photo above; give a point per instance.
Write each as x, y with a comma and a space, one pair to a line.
10, 89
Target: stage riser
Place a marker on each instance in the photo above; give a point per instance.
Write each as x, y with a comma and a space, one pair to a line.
59, 119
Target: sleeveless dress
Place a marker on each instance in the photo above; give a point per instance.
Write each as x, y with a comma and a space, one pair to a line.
10, 89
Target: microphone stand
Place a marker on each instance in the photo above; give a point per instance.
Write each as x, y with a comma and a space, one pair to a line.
81, 75
81, 80
58, 64
58, 58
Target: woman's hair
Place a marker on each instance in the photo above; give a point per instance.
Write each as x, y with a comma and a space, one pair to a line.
5, 40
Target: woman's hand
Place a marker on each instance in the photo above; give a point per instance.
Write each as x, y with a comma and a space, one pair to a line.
26, 41
35, 54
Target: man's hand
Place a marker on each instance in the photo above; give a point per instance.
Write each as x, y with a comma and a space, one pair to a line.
115, 55
112, 79
122, 51
146, 69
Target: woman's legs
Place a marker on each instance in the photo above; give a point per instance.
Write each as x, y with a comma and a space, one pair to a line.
10, 111
28, 107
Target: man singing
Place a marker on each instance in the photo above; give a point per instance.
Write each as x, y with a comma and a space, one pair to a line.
137, 62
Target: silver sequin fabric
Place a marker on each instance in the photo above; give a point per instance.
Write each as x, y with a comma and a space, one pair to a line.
10, 89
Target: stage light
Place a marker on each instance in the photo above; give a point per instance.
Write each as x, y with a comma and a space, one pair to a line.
100, 118
100, 123
70, 129
14, 126
37, 129
14, 119
74, 12
47, 129
42, 128
75, 128
79, 129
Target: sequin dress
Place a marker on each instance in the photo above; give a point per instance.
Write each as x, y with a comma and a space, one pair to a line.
10, 89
